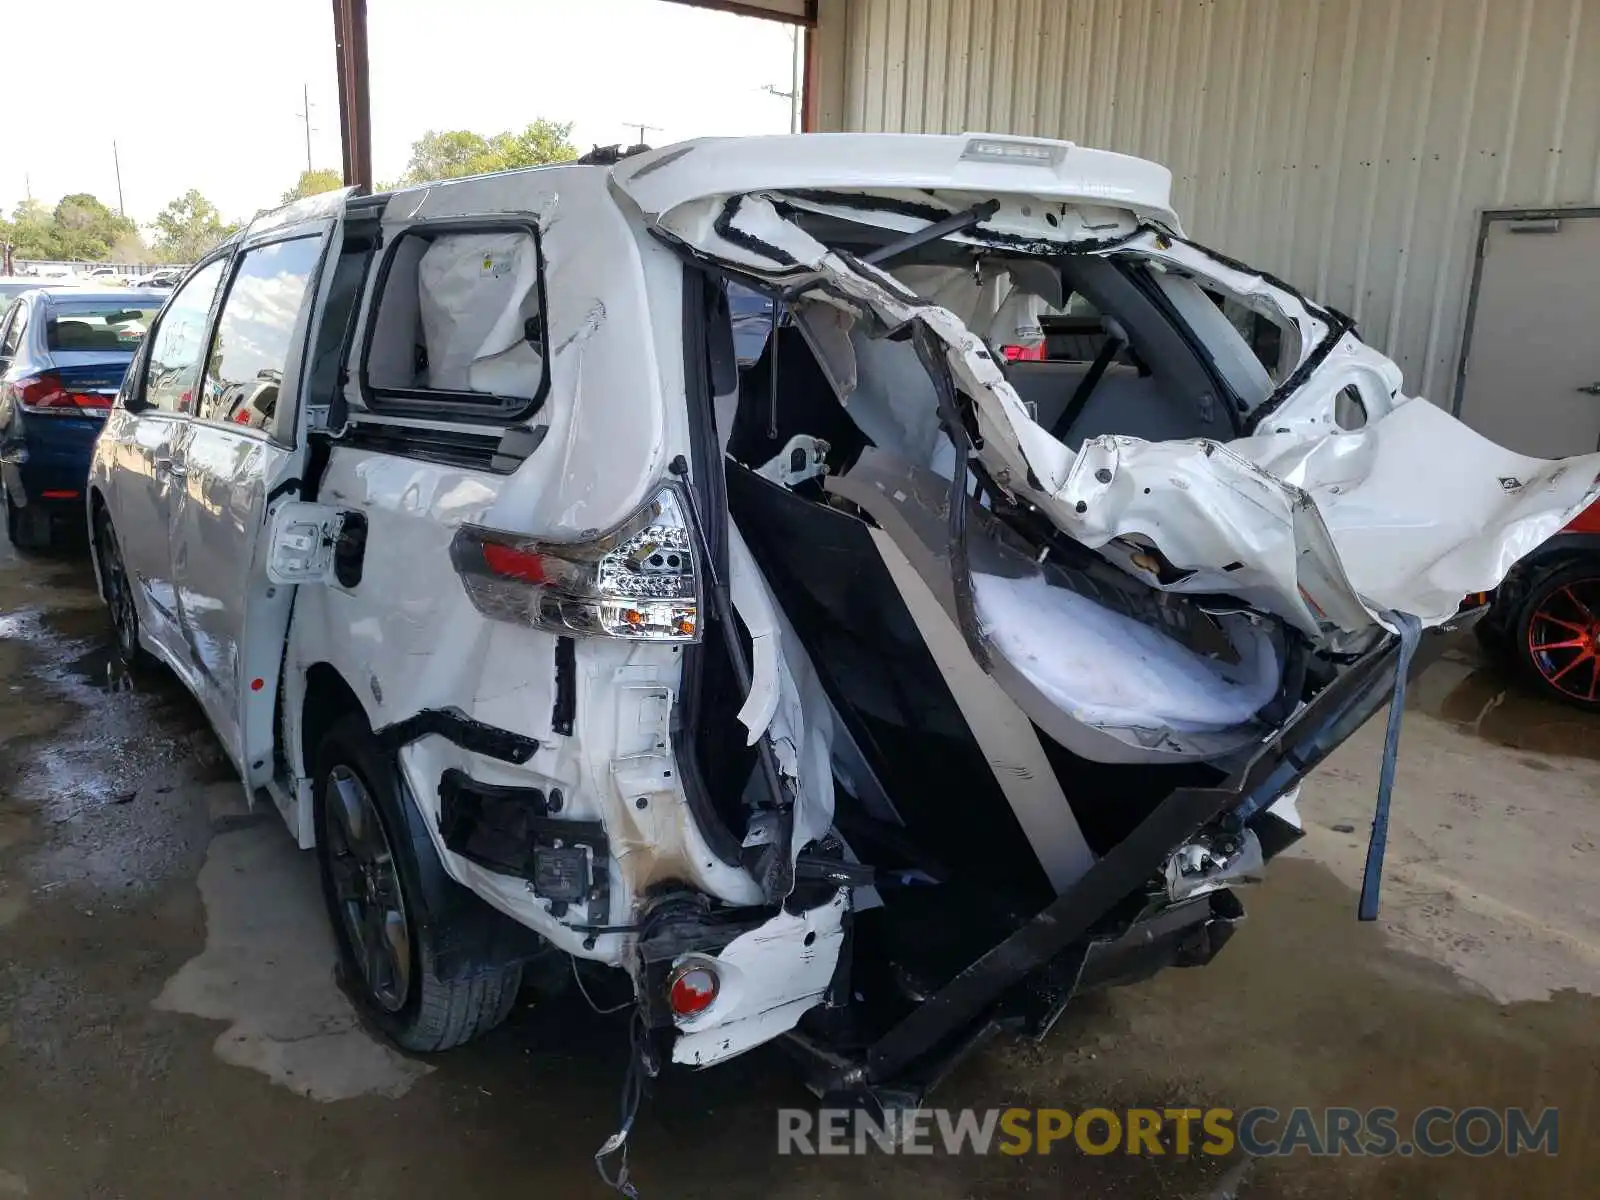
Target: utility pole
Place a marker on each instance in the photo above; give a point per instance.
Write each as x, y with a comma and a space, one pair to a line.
305, 115
793, 94
117, 163
794, 81
641, 127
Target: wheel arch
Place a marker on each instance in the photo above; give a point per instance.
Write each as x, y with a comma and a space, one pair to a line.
468, 936
326, 698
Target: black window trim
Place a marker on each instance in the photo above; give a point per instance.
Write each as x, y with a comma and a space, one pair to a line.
19, 310
322, 229
474, 408
136, 402
359, 223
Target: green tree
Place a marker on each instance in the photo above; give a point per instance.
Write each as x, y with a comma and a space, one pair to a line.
129, 248
31, 230
187, 227
80, 227
456, 152
312, 183
86, 229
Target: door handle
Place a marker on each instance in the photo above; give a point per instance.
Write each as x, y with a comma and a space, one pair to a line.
1593, 389
166, 466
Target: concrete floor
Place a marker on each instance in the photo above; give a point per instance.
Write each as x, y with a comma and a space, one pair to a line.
169, 1025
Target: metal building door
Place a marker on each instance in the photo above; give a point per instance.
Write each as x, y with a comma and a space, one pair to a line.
1531, 375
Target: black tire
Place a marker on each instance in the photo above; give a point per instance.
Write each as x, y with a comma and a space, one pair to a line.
1494, 638
398, 989
117, 591
1557, 634
27, 528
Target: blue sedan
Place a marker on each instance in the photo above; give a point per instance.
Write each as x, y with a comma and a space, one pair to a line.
63, 352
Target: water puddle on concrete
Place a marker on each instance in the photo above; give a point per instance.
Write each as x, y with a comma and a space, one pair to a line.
1489, 701
266, 969
1306, 1006
95, 756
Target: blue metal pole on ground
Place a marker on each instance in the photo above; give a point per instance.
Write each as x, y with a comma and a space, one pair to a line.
1372, 879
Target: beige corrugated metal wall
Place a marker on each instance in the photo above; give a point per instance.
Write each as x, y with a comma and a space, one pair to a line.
1346, 145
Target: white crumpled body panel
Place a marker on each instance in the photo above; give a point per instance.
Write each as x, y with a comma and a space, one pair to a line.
1331, 530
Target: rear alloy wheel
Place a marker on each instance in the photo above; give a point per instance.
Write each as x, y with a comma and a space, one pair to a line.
366, 886
1558, 635
118, 592
371, 881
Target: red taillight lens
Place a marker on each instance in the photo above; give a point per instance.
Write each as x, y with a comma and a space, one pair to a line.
48, 394
512, 562
691, 988
1023, 353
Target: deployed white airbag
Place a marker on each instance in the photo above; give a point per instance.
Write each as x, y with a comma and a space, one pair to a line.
476, 293
1107, 669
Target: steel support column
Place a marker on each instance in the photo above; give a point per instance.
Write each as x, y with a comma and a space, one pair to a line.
355, 111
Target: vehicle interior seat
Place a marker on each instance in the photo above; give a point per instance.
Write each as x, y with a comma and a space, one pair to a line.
1121, 401
81, 335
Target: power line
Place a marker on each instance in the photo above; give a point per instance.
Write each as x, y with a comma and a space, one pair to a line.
641, 127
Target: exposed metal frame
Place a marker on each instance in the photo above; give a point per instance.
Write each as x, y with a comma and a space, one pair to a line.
1485, 218
927, 1042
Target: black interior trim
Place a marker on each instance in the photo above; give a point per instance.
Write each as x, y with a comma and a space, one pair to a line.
1086, 385
566, 702
453, 447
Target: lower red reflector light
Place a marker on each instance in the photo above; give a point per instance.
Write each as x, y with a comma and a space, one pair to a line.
691, 989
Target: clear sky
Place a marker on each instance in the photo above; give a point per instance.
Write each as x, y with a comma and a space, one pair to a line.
220, 81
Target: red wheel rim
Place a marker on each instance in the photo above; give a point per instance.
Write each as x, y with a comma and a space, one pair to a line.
1564, 639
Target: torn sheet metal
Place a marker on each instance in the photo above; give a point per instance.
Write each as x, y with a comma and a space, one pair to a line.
1409, 513
786, 701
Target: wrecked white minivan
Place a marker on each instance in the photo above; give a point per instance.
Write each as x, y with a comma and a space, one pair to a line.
947, 661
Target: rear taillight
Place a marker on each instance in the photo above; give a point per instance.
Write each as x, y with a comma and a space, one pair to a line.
1033, 353
691, 988
639, 581
46, 393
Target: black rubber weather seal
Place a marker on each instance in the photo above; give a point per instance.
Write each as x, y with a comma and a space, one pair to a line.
455, 726
748, 241
708, 484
